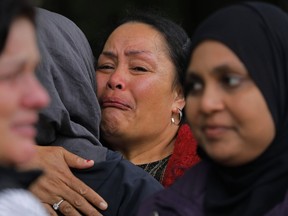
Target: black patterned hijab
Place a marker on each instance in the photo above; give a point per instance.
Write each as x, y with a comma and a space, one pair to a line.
258, 34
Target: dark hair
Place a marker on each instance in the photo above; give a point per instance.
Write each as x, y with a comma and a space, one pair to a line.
9, 10
177, 40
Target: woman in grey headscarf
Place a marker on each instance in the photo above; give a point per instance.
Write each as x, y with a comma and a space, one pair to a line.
72, 122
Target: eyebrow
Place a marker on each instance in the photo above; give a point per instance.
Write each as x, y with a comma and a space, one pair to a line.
138, 52
147, 55
128, 53
221, 69
109, 54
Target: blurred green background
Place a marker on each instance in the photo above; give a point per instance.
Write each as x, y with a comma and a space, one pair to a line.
92, 16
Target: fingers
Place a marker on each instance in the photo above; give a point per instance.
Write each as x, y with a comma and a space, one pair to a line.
49, 209
67, 209
88, 194
78, 186
59, 183
74, 161
76, 203
51, 191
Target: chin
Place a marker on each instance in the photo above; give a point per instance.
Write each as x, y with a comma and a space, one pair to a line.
109, 128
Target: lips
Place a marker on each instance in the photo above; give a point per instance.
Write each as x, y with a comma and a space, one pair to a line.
25, 127
215, 131
109, 102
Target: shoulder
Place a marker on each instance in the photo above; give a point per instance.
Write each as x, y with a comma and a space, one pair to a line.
281, 209
133, 185
136, 176
126, 170
183, 197
193, 183
122, 184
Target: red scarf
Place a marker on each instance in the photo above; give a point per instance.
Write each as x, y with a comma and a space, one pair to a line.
184, 156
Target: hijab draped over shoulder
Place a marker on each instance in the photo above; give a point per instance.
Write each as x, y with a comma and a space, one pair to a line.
67, 71
258, 34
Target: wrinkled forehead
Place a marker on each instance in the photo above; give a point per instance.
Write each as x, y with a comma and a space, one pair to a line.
137, 36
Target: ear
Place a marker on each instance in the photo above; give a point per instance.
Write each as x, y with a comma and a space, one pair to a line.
179, 100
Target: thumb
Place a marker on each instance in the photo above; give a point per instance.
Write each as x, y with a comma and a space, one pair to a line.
74, 161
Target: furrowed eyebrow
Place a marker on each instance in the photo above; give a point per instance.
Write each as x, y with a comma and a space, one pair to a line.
128, 53
137, 52
109, 54
146, 55
143, 54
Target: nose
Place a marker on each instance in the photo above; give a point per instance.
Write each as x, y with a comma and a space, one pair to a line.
34, 94
212, 100
117, 80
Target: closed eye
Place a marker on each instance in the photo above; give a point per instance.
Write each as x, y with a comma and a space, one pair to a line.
139, 69
104, 67
11, 76
12, 73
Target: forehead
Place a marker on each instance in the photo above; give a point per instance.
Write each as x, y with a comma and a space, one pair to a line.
21, 41
137, 35
213, 48
210, 53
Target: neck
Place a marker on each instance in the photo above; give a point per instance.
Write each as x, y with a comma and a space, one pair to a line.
149, 153
147, 150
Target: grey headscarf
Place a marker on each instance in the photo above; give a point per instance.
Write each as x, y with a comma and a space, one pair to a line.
66, 70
